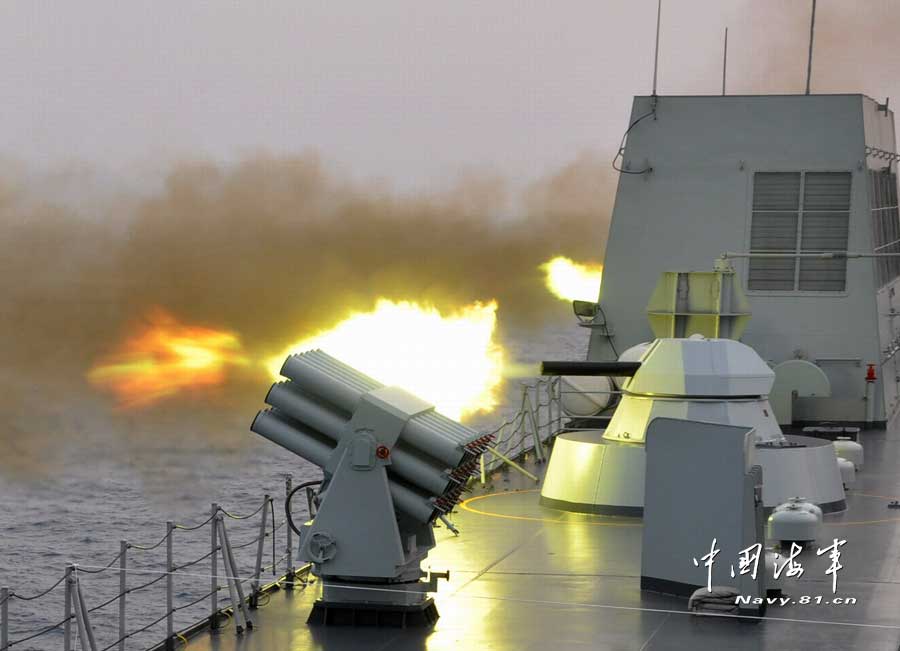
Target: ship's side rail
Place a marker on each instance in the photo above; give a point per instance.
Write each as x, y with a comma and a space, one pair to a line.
538, 418
217, 564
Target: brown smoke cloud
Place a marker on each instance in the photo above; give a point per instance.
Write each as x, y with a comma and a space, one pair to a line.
279, 246
274, 248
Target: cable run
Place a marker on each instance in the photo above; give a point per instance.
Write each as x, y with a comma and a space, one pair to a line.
13, 595
196, 601
244, 517
110, 564
39, 633
147, 548
621, 152
136, 632
176, 568
195, 527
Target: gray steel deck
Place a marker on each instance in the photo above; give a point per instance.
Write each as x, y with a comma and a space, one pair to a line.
525, 577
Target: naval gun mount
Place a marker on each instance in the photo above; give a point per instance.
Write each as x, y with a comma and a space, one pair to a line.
392, 466
720, 381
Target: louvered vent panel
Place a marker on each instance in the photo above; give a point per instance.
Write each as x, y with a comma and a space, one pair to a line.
783, 223
826, 223
776, 202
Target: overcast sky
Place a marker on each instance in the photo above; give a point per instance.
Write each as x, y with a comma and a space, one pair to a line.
411, 91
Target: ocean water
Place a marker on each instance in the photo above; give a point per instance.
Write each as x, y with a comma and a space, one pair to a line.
80, 512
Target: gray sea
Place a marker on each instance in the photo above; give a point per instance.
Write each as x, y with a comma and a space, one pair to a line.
81, 512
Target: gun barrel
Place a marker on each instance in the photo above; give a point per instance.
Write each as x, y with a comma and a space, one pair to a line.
625, 369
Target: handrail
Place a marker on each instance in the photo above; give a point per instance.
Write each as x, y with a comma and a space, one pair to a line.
265, 529
537, 420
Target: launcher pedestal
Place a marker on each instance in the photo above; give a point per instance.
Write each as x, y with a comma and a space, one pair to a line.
392, 465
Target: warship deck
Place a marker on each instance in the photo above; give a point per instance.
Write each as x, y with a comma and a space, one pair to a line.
526, 577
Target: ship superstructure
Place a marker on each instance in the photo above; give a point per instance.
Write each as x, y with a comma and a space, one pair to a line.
797, 181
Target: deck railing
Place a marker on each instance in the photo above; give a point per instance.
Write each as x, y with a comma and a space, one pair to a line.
78, 612
537, 419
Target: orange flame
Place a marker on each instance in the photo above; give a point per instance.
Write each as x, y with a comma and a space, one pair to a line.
165, 357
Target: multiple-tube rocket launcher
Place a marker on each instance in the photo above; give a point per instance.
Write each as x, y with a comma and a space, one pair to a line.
392, 466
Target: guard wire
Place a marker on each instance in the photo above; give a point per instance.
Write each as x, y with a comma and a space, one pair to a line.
147, 548
43, 631
136, 632
195, 527
195, 601
250, 542
243, 517
145, 585
13, 595
106, 603
197, 560
102, 569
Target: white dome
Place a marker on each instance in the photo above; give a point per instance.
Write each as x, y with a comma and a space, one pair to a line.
584, 396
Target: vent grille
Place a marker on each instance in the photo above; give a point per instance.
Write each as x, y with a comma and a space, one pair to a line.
885, 222
795, 212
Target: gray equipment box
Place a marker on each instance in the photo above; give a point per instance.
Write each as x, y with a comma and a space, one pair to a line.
701, 485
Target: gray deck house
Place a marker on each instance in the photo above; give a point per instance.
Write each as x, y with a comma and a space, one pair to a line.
776, 174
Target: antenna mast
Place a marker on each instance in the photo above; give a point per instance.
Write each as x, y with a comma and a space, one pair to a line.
724, 60
656, 52
812, 29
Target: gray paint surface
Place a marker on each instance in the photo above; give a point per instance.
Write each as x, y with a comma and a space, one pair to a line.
688, 514
696, 204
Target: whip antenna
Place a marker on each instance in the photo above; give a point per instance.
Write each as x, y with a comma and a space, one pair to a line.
812, 30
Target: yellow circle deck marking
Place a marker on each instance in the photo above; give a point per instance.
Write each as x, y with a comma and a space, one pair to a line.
465, 506
858, 522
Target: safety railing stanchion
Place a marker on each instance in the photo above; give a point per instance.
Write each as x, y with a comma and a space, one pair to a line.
67, 607
213, 570
123, 569
238, 624
4, 618
522, 430
238, 603
82, 615
535, 430
558, 382
549, 390
289, 584
260, 546
170, 588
